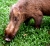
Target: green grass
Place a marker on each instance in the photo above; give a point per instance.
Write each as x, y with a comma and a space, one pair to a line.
27, 35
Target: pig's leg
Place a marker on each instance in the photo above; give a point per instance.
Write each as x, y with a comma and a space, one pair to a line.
38, 20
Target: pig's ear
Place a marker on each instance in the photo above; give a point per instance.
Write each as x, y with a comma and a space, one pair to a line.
15, 11
21, 8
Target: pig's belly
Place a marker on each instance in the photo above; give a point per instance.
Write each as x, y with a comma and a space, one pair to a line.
46, 12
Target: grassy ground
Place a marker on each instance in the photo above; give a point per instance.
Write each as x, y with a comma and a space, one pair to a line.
27, 35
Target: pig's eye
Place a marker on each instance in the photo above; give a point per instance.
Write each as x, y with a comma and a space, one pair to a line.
15, 18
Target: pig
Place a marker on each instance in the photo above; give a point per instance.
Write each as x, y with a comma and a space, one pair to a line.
23, 11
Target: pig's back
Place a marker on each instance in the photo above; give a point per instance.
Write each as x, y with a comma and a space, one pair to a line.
43, 5
31, 6
46, 7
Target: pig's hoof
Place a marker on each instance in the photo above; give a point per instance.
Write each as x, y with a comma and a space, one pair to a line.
7, 39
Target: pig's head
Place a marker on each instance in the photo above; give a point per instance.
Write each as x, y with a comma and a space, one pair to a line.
13, 26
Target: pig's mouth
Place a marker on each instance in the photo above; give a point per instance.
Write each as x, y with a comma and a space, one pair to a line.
7, 39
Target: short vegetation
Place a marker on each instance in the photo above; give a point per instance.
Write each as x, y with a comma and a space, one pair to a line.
27, 35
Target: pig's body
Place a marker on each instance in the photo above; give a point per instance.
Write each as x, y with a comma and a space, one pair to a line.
22, 11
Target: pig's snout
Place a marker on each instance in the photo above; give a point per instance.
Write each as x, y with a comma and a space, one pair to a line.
8, 39
9, 34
